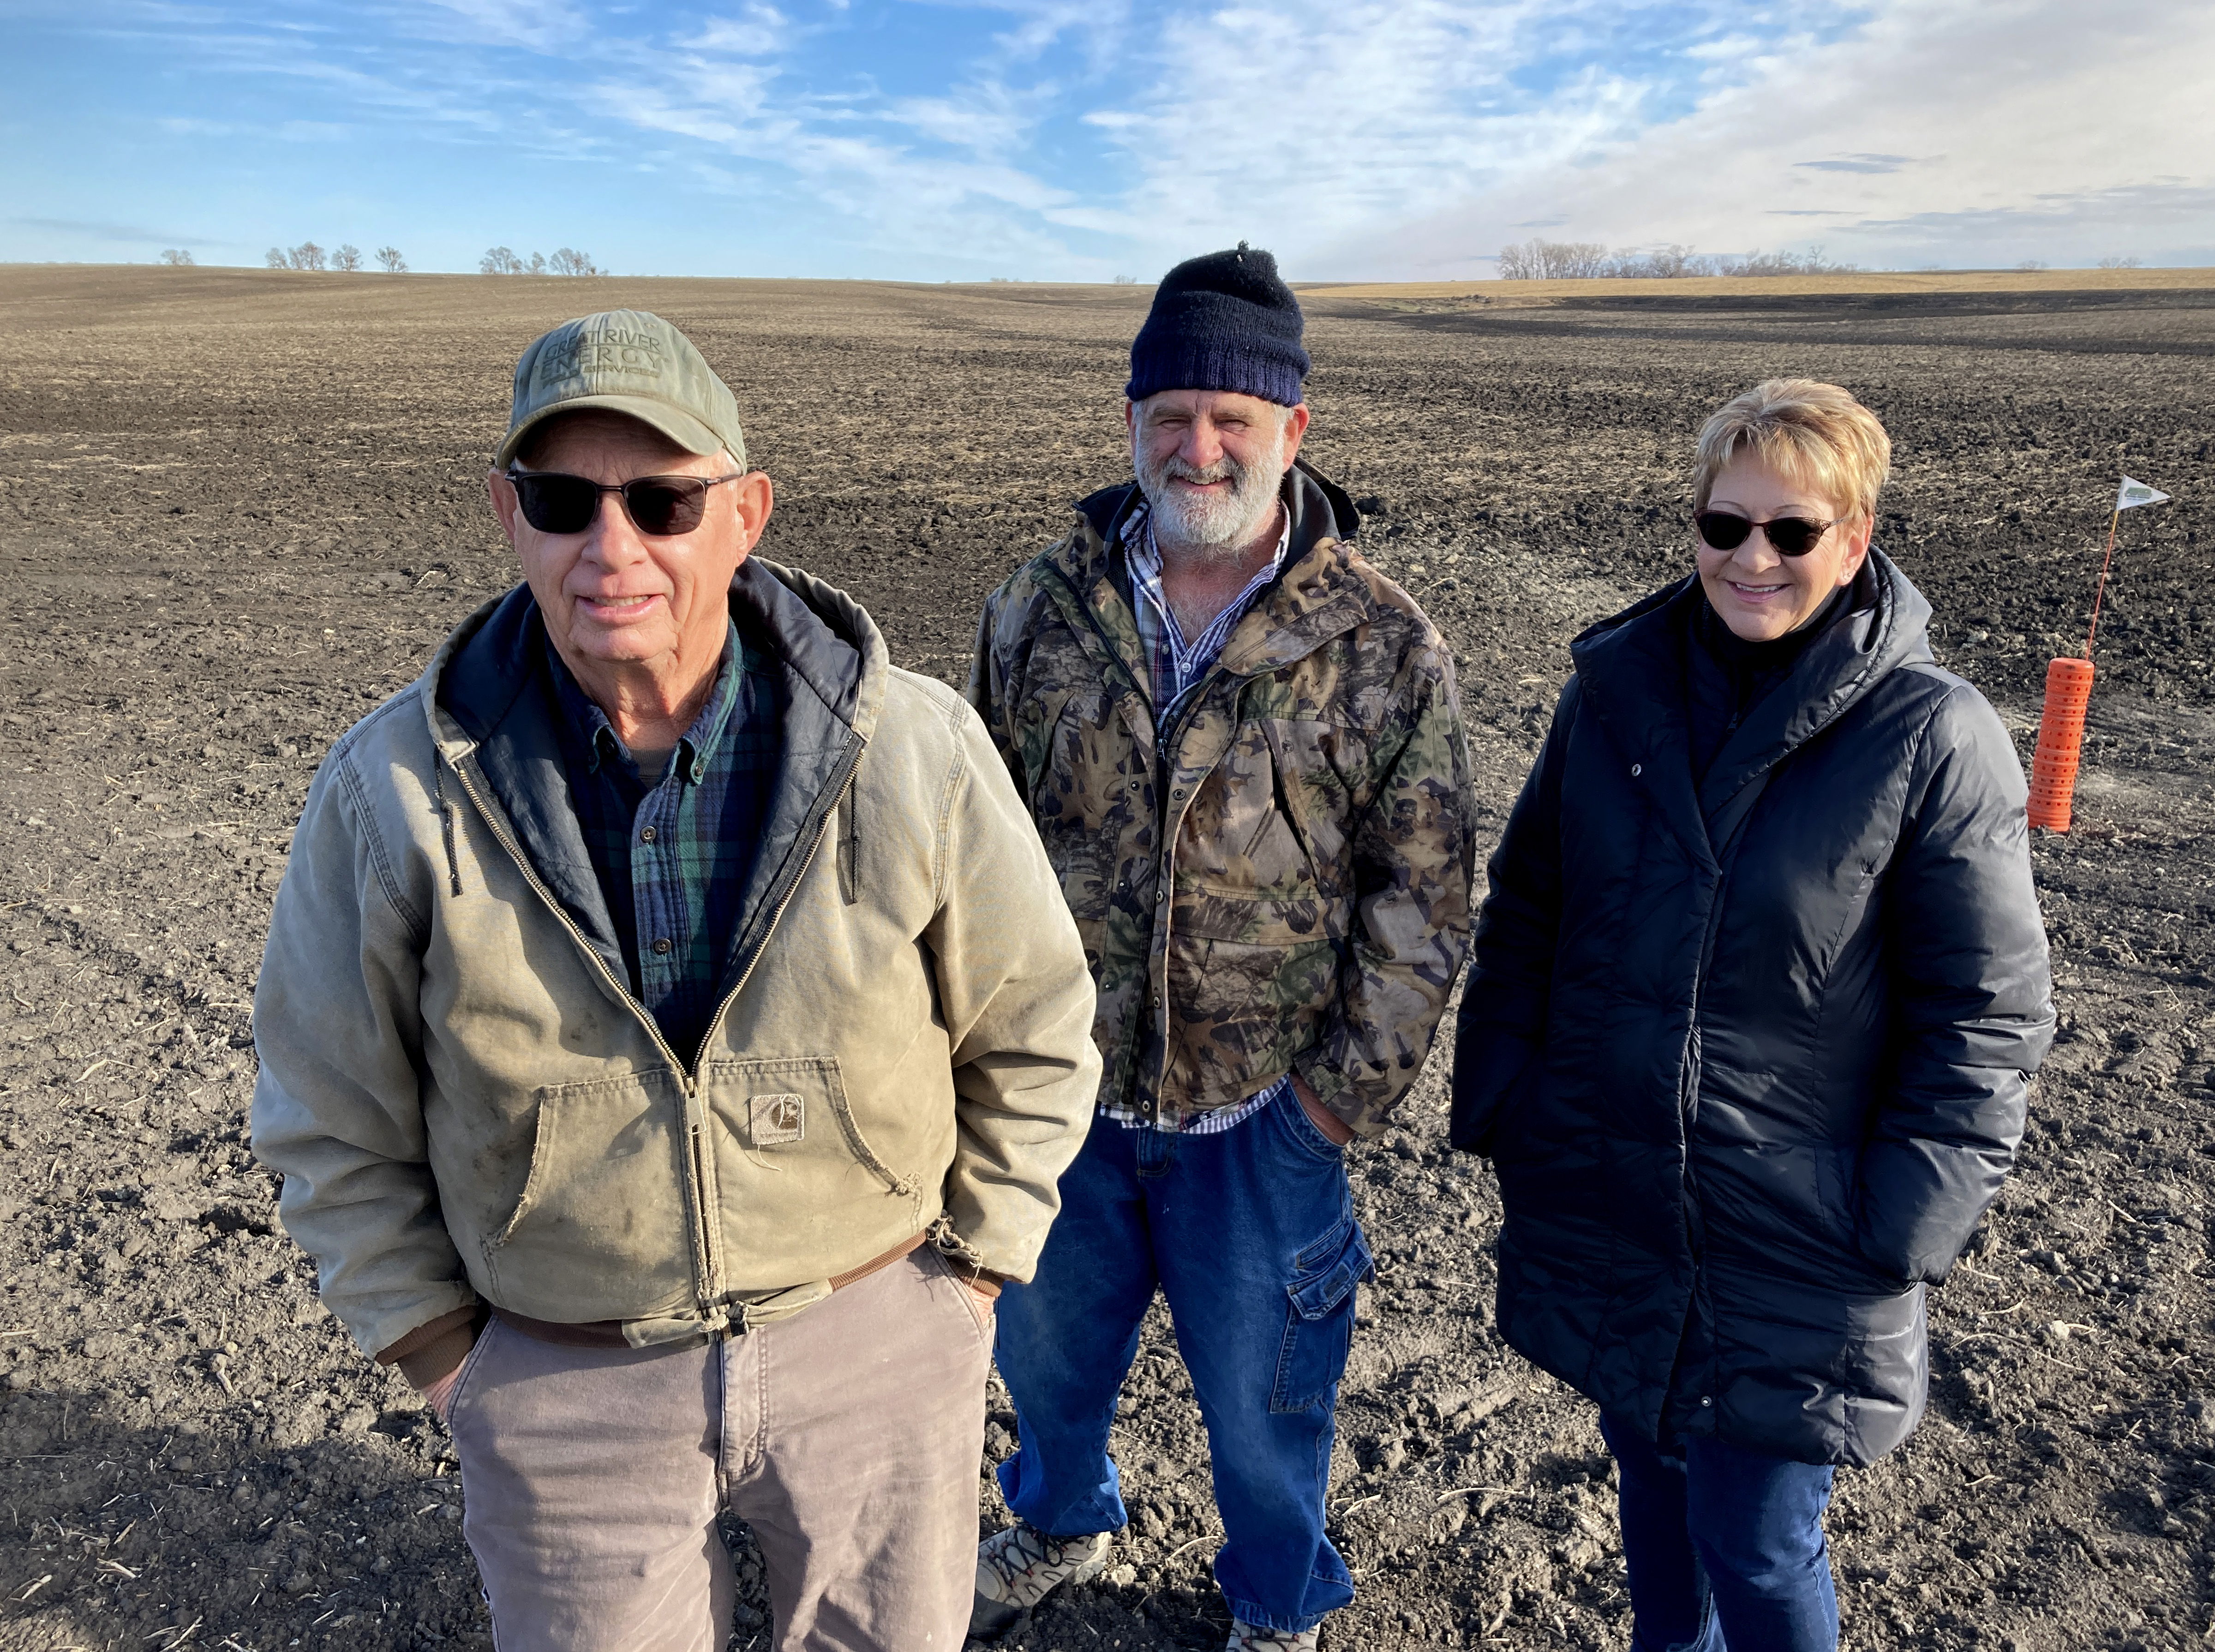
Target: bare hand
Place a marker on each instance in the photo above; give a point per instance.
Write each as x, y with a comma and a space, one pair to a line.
1333, 1127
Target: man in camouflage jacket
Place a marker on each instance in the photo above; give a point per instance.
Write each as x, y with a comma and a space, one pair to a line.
1264, 836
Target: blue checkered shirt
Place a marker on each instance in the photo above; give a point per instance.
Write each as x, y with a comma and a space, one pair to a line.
1174, 668
672, 858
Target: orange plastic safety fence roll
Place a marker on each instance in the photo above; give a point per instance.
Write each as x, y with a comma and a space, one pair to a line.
2060, 742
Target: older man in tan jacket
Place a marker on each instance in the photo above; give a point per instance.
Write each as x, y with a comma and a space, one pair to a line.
671, 1033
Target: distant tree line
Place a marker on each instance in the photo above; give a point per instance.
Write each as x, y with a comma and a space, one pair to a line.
565, 260
2105, 263
310, 256
498, 261
1574, 260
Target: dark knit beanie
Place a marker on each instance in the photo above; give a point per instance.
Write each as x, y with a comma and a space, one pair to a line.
1224, 322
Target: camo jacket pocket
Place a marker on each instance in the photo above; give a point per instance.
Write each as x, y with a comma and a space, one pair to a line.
1241, 1010
1257, 832
1092, 796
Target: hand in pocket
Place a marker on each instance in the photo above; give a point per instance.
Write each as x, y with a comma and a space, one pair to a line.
439, 1394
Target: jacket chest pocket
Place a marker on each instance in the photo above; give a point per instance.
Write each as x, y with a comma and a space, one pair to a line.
1258, 923
601, 1227
783, 1136
1263, 841
1092, 796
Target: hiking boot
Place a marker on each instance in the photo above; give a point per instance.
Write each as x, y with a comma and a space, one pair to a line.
1018, 1568
1244, 1638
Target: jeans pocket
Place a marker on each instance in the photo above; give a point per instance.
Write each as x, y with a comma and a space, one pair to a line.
981, 1319
1305, 1131
1319, 1317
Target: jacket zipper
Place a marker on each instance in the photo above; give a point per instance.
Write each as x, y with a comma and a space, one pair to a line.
707, 1260
1131, 1038
1166, 900
1688, 1092
710, 1237
815, 848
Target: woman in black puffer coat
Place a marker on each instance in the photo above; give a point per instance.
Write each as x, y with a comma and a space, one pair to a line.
1757, 992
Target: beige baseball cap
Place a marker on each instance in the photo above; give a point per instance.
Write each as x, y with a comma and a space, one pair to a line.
624, 361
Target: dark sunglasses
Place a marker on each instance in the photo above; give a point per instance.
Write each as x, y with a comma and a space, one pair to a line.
555, 502
1789, 535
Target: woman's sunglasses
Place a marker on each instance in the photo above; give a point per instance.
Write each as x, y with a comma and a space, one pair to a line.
555, 502
1789, 535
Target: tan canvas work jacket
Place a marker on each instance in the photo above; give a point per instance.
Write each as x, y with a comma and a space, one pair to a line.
467, 1104
1276, 877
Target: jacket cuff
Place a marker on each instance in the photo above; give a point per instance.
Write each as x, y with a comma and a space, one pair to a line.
1336, 1092
965, 1261
432, 1351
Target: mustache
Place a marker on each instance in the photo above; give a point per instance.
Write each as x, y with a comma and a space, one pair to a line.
1225, 468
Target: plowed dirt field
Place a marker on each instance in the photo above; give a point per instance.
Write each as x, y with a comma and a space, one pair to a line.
237, 509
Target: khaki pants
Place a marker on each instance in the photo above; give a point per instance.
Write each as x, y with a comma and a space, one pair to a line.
848, 1437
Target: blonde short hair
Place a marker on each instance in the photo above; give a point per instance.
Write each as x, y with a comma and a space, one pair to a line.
1816, 434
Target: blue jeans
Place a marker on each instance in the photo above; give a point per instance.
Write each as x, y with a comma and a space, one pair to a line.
1250, 1235
1725, 1548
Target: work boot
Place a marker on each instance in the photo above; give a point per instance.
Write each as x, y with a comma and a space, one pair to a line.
1244, 1638
1018, 1568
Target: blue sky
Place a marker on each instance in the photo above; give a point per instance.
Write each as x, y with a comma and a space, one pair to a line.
1080, 139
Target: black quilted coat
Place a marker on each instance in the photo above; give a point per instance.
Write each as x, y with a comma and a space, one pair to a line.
1750, 1056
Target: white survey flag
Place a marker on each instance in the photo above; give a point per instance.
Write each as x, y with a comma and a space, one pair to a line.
2137, 493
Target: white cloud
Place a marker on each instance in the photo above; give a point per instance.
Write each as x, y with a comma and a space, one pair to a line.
1315, 127
1097, 27
1412, 137
1312, 124
755, 31
984, 117
1359, 138
1984, 132
540, 24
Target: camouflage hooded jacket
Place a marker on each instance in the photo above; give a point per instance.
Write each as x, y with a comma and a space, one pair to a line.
1281, 876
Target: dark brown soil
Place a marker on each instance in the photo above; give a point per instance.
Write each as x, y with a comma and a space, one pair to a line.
237, 509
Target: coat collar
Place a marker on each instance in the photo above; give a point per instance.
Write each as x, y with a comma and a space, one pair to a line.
488, 704
1315, 598
1631, 667
830, 649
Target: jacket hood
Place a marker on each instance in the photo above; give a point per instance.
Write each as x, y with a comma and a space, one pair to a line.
1631, 667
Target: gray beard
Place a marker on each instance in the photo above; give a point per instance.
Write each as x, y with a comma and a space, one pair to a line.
1211, 528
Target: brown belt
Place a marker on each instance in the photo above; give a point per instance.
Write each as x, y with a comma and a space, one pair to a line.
609, 1333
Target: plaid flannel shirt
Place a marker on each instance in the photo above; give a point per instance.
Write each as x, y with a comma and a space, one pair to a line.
1176, 667
672, 858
